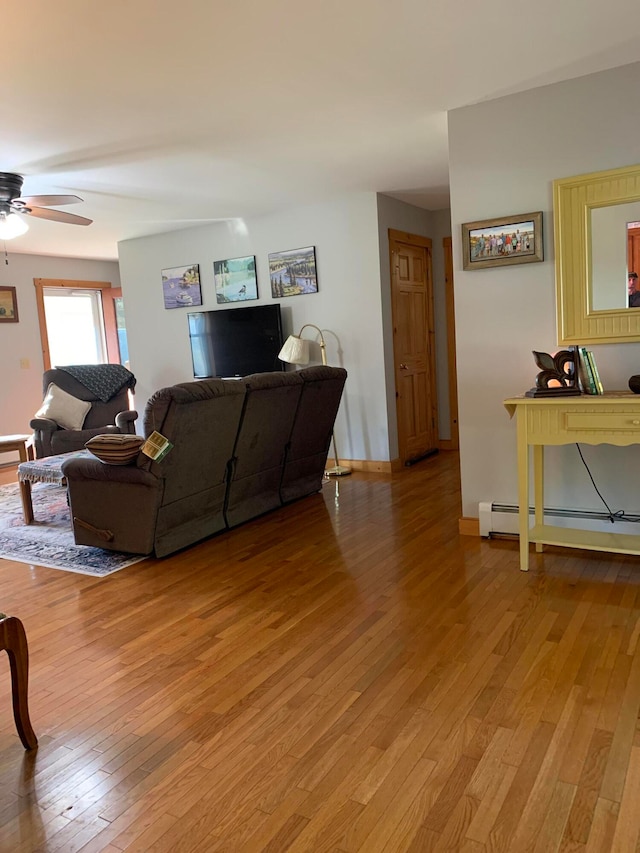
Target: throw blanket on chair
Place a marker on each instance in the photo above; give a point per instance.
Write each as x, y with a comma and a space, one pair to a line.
103, 380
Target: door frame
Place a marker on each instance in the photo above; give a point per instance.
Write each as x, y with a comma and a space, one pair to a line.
452, 443
419, 241
108, 313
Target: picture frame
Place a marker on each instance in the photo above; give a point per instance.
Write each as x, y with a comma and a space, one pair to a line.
293, 272
181, 286
8, 305
235, 279
502, 241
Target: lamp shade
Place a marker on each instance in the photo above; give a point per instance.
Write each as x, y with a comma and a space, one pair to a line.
12, 225
295, 350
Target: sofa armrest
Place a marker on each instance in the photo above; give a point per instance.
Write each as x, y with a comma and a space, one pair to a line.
113, 506
44, 424
43, 430
94, 470
125, 421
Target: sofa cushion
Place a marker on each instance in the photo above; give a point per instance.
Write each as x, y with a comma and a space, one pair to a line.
63, 408
115, 448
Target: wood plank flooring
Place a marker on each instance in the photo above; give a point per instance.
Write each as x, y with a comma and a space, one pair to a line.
344, 675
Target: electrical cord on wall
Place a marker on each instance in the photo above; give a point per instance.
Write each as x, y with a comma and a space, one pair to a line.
620, 514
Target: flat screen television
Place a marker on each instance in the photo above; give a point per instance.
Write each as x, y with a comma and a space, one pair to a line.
235, 341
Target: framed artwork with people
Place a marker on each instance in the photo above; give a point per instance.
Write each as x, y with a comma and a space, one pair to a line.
502, 241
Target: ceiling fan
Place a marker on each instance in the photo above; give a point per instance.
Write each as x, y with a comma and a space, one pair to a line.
12, 206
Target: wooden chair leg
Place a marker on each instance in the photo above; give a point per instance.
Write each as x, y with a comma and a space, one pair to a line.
13, 639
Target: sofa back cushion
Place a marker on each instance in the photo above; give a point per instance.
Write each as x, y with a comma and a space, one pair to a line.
305, 464
201, 420
270, 405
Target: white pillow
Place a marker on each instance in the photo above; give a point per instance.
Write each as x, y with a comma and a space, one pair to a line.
63, 408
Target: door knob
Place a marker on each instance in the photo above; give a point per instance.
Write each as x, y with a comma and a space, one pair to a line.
403, 366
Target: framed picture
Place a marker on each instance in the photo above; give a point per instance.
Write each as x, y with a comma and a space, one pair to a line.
293, 272
8, 305
181, 286
502, 241
235, 279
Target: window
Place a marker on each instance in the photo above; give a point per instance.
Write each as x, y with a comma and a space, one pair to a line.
81, 322
75, 326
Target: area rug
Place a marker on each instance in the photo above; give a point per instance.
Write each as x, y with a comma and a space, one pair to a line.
49, 540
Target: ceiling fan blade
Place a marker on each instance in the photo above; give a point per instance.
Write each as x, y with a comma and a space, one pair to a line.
57, 216
49, 200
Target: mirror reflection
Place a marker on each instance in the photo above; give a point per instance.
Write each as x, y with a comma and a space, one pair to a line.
596, 221
615, 257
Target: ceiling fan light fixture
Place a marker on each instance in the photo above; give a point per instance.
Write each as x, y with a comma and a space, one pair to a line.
12, 225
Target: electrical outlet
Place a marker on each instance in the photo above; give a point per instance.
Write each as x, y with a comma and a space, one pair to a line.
25, 364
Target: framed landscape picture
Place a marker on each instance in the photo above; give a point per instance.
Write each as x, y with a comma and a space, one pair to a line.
8, 305
293, 272
181, 286
502, 241
236, 279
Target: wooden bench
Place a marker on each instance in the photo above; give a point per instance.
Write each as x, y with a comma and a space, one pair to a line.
22, 443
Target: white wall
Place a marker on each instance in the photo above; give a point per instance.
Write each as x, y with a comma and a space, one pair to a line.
347, 306
22, 387
504, 155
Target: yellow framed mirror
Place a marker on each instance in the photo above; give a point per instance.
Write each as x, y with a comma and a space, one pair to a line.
592, 216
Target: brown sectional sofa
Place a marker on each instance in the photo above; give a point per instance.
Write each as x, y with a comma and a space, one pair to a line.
241, 448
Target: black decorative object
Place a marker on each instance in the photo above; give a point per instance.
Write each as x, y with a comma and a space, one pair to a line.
634, 383
560, 370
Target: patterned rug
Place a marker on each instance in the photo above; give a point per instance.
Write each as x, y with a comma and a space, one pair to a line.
49, 540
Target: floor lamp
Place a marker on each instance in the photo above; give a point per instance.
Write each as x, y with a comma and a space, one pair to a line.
296, 351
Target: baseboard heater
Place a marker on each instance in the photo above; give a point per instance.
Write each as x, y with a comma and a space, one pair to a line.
496, 519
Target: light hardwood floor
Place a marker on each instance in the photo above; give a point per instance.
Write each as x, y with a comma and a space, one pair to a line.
341, 675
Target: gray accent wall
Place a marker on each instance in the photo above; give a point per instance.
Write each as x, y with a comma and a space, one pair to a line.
504, 155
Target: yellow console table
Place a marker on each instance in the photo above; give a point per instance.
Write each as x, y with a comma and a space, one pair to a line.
612, 418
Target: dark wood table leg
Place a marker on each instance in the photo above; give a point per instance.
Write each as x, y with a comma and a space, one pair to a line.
13, 639
27, 503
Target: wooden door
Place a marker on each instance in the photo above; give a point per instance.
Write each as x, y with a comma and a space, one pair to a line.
413, 345
633, 253
110, 326
113, 307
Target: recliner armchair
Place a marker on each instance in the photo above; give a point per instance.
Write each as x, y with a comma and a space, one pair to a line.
112, 416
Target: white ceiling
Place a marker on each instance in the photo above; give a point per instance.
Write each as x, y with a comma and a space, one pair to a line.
162, 114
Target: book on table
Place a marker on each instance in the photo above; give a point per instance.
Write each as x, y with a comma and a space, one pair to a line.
585, 372
594, 372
